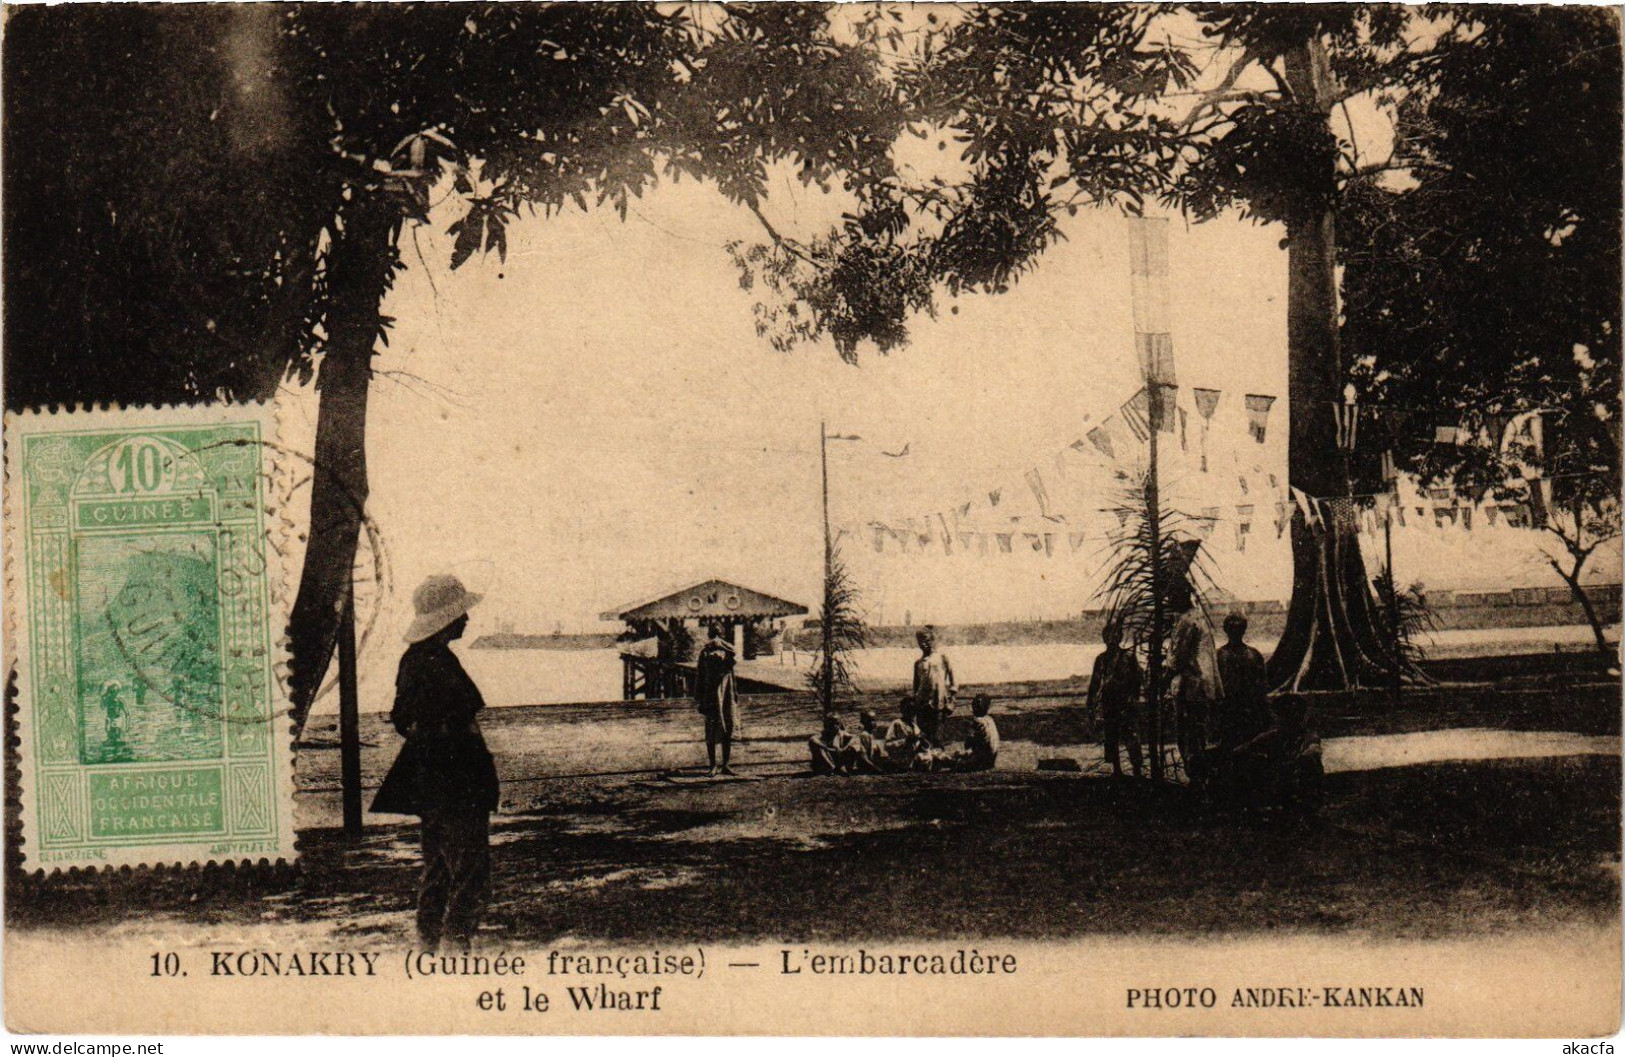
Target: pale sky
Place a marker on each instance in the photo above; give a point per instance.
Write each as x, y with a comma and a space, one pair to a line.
596, 421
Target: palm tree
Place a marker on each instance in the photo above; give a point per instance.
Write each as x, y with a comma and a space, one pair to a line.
1153, 558
841, 631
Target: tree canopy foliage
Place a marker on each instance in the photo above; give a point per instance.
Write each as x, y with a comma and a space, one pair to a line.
194, 164
202, 201
1488, 285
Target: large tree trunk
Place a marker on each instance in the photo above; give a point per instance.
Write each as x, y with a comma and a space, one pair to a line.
1331, 640
360, 266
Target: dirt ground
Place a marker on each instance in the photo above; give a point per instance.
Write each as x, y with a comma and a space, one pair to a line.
595, 844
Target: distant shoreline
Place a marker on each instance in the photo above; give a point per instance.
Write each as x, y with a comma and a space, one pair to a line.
507, 640
1527, 607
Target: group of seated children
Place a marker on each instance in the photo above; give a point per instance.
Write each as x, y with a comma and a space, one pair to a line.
1281, 767
902, 746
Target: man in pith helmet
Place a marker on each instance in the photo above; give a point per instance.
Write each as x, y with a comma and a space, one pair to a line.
444, 773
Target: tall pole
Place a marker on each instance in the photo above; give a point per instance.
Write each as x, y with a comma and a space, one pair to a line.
826, 678
1393, 592
349, 720
1153, 660
1153, 344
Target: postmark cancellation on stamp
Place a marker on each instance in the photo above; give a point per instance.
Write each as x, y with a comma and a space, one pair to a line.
145, 609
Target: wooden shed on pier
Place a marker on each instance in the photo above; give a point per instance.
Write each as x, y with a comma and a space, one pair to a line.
752, 620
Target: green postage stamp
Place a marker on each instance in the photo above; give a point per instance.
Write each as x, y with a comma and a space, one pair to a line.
144, 617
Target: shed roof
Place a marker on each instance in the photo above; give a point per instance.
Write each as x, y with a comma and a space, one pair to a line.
706, 600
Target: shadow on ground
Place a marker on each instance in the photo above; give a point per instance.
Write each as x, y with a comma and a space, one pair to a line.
1432, 850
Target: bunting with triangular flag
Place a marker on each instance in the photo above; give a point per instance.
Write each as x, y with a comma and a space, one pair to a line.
1207, 400
1136, 413
1208, 521
1258, 414
1036, 482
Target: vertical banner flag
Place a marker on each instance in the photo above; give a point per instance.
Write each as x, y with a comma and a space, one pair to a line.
1258, 415
1496, 423
1153, 340
1390, 469
1207, 401
1540, 501
1348, 424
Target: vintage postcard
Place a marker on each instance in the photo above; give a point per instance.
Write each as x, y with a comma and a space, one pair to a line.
813, 519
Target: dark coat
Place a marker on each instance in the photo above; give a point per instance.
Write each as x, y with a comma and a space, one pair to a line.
715, 694
1245, 678
1114, 683
444, 765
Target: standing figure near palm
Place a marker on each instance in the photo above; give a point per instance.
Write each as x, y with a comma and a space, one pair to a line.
934, 687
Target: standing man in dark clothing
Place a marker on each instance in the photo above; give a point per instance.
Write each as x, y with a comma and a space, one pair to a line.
717, 699
1114, 688
444, 772
1246, 687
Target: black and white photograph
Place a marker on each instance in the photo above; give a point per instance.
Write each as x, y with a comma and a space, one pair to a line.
812, 519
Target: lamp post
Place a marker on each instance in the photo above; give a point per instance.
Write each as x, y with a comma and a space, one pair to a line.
826, 677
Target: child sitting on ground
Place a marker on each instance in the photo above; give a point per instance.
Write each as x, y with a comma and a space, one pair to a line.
833, 750
903, 743
1280, 768
981, 750
869, 743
